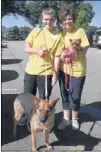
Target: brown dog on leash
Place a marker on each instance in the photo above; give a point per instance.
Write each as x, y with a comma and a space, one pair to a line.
40, 114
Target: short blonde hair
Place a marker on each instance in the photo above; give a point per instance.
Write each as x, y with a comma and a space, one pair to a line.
48, 11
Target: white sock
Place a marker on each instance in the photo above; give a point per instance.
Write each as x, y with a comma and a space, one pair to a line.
66, 118
76, 118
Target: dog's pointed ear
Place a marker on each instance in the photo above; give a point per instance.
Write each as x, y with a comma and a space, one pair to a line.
55, 101
36, 100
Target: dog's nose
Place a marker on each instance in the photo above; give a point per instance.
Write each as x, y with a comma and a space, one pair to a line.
50, 107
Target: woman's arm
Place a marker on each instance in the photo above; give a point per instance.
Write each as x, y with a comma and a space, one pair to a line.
29, 49
56, 64
56, 69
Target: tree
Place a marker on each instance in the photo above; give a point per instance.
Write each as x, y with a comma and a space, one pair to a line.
15, 31
31, 10
36, 7
92, 28
3, 32
84, 12
24, 31
99, 28
84, 15
13, 6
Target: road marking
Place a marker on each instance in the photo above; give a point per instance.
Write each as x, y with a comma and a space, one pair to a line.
5, 89
11, 91
3, 58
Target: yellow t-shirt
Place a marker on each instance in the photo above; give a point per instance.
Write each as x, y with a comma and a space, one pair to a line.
41, 38
78, 66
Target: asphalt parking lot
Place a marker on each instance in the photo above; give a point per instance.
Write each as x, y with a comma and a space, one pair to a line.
87, 138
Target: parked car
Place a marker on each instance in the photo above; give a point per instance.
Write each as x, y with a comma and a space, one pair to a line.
97, 39
4, 44
90, 34
20, 37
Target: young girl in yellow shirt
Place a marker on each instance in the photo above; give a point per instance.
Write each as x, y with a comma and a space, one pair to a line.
44, 47
76, 74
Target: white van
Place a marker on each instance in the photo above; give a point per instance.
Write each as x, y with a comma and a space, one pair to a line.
97, 39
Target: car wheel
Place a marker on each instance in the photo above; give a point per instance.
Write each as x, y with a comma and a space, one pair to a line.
99, 47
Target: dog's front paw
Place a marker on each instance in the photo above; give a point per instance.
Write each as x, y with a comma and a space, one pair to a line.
49, 147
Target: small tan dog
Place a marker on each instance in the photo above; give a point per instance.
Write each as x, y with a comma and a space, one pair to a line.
67, 56
40, 114
75, 44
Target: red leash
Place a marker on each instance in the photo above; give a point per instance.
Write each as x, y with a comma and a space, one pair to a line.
68, 62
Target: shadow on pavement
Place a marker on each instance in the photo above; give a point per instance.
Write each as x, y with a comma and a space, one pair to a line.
96, 105
7, 120
6, 47
69, 137
8, 75
10, 61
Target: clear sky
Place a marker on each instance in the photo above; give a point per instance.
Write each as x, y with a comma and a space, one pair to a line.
96, 21
9, 21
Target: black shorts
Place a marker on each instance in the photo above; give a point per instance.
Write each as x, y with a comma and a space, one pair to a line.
71, 99
34, 82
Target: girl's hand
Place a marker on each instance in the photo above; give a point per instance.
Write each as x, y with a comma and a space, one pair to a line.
65, 55
42, 53
54, 80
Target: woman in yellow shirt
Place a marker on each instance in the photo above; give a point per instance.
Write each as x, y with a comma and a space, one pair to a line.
44, 47
76, 74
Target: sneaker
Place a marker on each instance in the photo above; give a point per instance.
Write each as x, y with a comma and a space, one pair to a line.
75, 124
63, 124
23, 120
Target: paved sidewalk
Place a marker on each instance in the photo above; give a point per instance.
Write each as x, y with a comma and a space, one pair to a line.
88, 138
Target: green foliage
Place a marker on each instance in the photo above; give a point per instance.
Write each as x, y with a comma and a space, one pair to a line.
31, 10
12, 6
84, 15
15, 32
92, 28
84, 11
99, 28
24, 30
34, 10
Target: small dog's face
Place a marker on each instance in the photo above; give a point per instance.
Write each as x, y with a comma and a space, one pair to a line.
76, 44
44, 107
